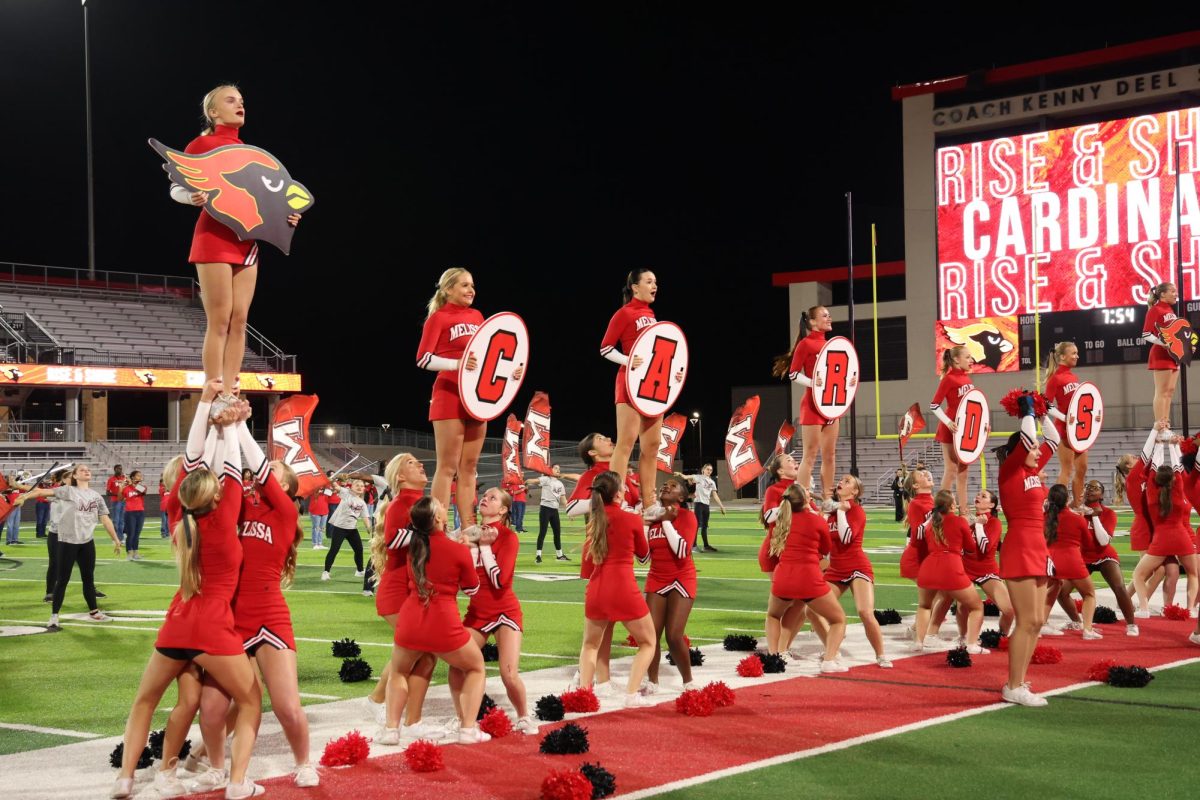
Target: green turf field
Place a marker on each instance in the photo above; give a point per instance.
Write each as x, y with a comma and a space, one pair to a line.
105, 659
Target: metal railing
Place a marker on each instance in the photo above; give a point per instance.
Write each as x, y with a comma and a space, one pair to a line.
145, 433
325, 435
41, 431
78, 282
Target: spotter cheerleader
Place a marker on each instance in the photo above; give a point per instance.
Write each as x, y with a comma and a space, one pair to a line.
671, 583
849, 567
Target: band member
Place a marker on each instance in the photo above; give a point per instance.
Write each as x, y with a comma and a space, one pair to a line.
1161, 309
954, 386
1061, 384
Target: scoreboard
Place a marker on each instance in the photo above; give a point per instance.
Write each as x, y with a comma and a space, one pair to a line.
1104, 336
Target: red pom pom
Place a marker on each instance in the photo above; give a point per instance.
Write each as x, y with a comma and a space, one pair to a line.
424, 756
1099, 670
1009, 402
1175, 612
720, 694
580, 701
566, 784
750, 667
1041, 404
346, 750
1045, 654
1079, 606
496, 723
1003, 643
1188, 445
694, 703
630, 641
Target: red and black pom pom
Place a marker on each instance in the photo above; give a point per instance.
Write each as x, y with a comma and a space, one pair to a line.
696, 656
354, 670
549, 708
740, 642
1129, 677
604, 782
958, 657
570, 738
772, 662
750, 667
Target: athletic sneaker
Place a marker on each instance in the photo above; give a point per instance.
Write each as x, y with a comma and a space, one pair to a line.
377, 711
561, 557
52, 625
305, 776
122, 789
687, 687
390, 736
197, 764
247, 788
48, 598
883, 662
933, 642
1194, 638
472, 736
1092, 635
210, 779
916, 647
325, 575
452, 727
1022, 696
648, 687
710, 549
537, 559
573, 684
99, 616
367, 593
1050, 630
1142, 613
636, 700
1194, 611
1072, 626
167, 785
423, 730
100, 594
833, 665
1132, 630
317, 547
527, 726
359, 573
978, 650
796, 653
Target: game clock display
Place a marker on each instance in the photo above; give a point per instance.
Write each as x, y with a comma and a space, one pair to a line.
1103, 335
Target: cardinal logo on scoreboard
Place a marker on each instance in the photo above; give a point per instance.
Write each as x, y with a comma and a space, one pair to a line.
1179, 339
991, 341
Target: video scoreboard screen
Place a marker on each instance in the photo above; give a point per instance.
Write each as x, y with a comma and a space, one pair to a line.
1075, 224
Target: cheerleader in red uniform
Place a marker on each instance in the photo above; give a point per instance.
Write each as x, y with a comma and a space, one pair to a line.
405, 475
817, 434
200, 626
641, 288
1133, 482
919, 486
458, 437
946, 535
596, 452
1173, 535
671, 584
849, 567
1065, 533
955, 384
614, 537
1061, 384
781, 470
495, 610
226, 267
1161, 309
1098, 552
799, 541
980, 563
428, 621
1024, 558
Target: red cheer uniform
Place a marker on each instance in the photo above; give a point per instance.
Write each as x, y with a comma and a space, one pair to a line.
215, 242
847, 559
955, 385
1172, 533
583, 489
772, 498
268, 530
612, 593
980, 562
393, 586
1135, 489
915, 549
623, 330
804, 361
436, 627
446, 334
1024, 554
799, 576
943, 568
1059, 388
1066, 551
671, 567
496, 604
1094, 553
1157, 314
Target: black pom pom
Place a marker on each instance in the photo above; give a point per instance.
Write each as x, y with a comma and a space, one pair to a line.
490, 651
346, 648
1104, 615
156, 742
990, 609
603, 781
118, 753
740, 642
887, 616
354, 670
1129, 677
772, 662
570, 738
990, 638
186, 749
958, 657
697, 658
485, 705
549, 708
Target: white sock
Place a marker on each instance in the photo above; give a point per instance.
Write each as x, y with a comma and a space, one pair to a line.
54, 619
559, 553
539, 552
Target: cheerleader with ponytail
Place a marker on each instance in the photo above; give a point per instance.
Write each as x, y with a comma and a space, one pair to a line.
1061, 384
947, 537
954, 386
1065, 534
1160, 308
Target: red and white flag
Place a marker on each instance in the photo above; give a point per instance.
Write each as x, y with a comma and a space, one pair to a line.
509, 459
535, 447
912, 422
290, 442
740, 453
668, 442
783, 439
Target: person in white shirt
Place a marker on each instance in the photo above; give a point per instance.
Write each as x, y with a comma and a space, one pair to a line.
706, 491
554, 497
343, 526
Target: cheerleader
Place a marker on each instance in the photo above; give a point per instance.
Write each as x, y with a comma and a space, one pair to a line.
405, 475
781, 472
671, 583
428, 622
816, 432
1161, 309
640, 290
799, 540
596, 452
1061, 384
200, 625
227, 268
980, 563
849, 567
1025, 562
1173, 536
955, 384
946, 535
458, 436
1098, 552
1065, 533
495, 610
919, 487
614, 537
343, 526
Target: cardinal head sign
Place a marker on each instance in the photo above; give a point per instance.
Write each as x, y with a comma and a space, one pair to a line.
500, 347
654, 385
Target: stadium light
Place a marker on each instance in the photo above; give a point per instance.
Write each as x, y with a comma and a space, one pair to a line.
329, 432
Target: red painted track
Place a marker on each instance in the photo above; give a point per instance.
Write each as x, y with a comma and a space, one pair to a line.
776, 719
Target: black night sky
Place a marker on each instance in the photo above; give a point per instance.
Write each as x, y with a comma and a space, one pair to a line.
549, 149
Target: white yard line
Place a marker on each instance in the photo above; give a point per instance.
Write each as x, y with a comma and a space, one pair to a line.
13, 726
